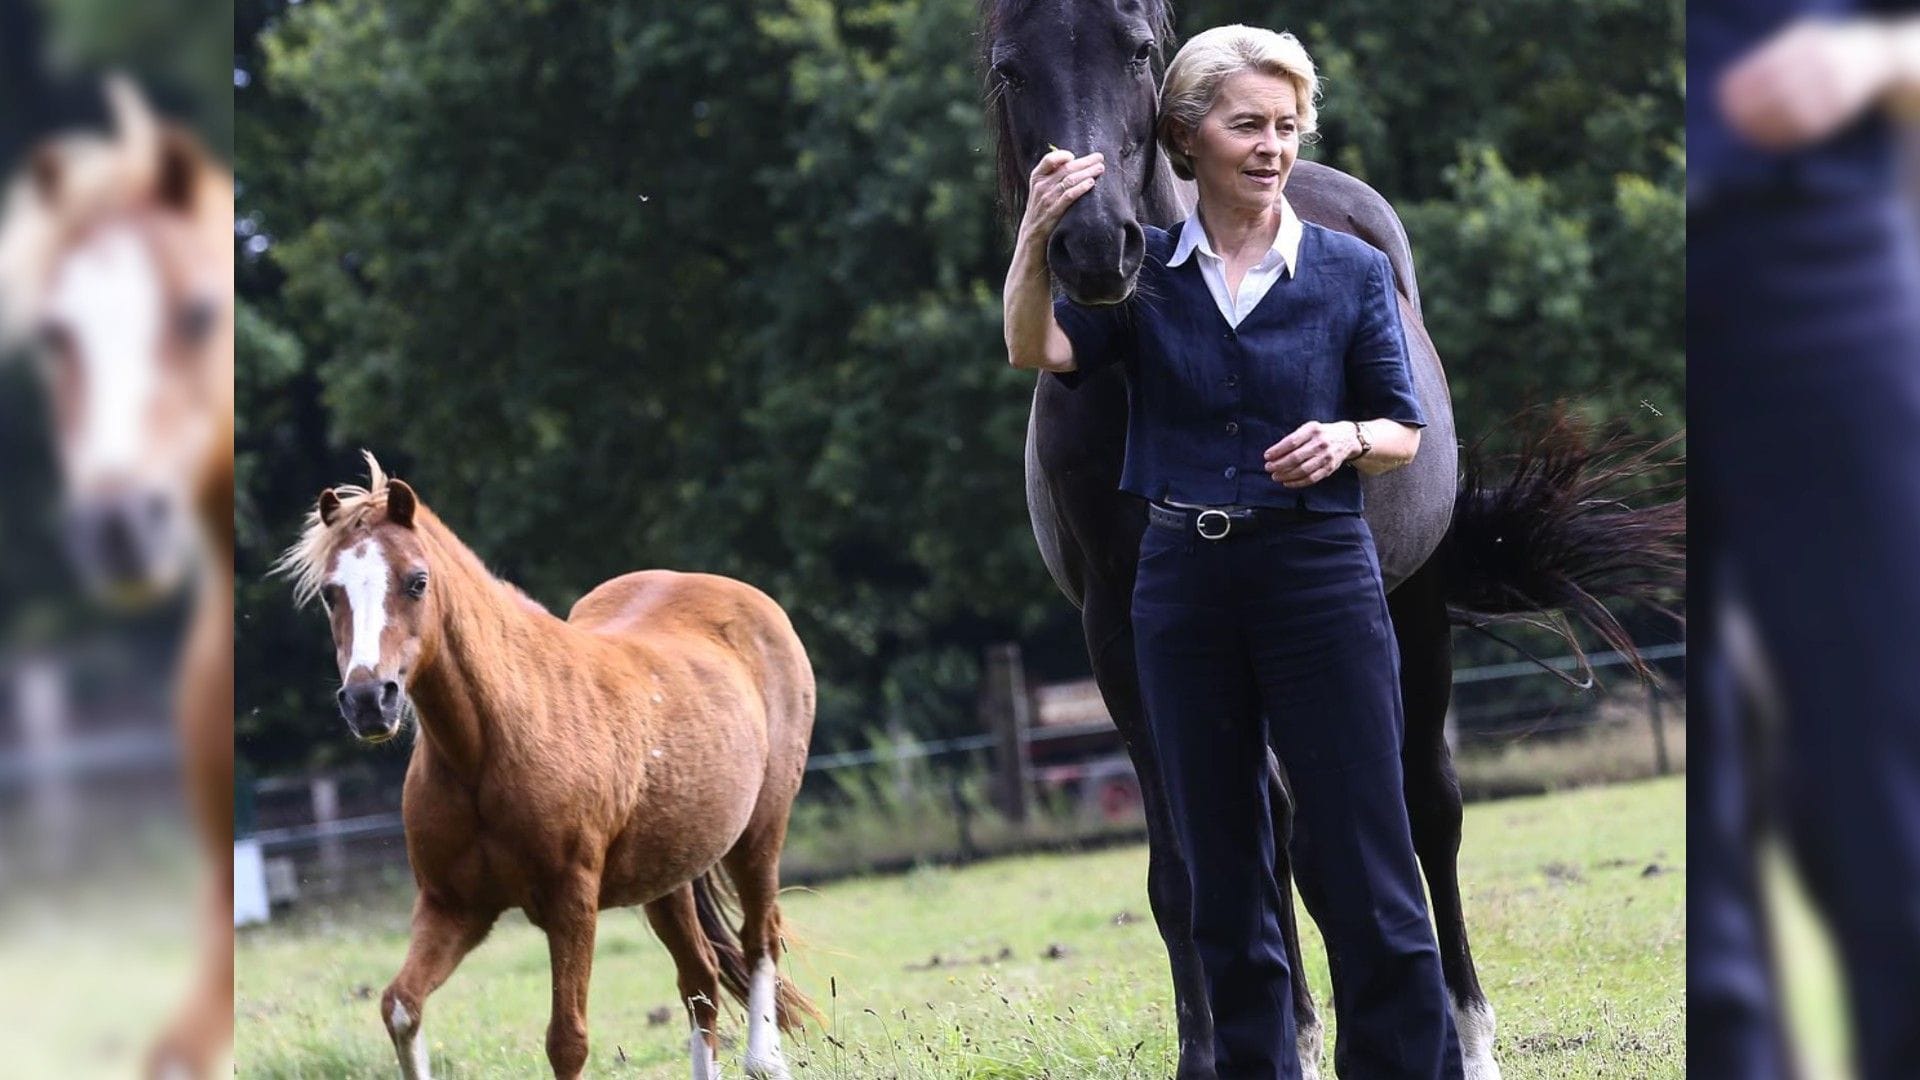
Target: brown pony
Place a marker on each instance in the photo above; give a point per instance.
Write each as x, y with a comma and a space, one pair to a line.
644, 751
116, 265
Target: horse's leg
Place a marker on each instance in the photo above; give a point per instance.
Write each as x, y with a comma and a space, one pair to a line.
440, 938
1106, 619
1307, 1034
676, 920
754, 866
1420, 625
570, 914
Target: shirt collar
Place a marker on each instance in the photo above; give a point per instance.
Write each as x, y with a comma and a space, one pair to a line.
1286, 242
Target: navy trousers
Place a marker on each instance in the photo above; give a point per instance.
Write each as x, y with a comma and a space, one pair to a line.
1804, 500
1282, 638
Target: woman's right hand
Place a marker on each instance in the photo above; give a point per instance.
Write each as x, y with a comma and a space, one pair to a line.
1057, 181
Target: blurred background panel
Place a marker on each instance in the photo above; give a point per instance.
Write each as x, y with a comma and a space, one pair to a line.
100, 886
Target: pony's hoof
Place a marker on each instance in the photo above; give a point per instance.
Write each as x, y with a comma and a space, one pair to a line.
773, 1067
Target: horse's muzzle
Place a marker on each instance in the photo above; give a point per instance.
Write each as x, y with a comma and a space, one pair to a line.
371, 709
1095, 263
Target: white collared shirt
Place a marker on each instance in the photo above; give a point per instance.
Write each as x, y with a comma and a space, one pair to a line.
1283, 257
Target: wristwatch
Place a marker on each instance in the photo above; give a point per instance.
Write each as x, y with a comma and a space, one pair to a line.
1365, 446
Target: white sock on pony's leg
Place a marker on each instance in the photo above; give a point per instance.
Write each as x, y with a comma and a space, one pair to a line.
1473, 1022
407, 1043
1307, 1038
704, 1066
764, 1061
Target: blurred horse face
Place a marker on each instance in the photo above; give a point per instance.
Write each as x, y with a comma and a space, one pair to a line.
126, 334
376, 591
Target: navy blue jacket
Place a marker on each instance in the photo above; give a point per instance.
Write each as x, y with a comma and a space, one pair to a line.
1206, 399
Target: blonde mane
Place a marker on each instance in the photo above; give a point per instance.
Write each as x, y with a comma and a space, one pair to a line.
306, 561
361, 508
100, 175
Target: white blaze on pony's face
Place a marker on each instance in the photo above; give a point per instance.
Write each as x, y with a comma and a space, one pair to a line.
110, 273
375, 586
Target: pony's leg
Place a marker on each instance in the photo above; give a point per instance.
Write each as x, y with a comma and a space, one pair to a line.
1307, 1033
1433, 803
570, 914
440, 939
754, 866
1106, 619
677, 922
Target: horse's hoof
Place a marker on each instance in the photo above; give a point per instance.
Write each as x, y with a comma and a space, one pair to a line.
1308, 1039
1473, 1022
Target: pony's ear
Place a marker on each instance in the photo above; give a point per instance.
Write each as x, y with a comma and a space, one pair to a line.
177, 174
329, 506
400, 503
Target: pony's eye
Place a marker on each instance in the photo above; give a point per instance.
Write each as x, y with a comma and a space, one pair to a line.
1144, 53
417, 585
1008, 77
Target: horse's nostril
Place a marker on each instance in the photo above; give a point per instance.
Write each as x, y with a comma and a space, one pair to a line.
1133, 247
340, 697
389, 690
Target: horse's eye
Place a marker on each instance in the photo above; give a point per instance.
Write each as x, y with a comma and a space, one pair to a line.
194, 321
1144, 53
417, 585
1008, 77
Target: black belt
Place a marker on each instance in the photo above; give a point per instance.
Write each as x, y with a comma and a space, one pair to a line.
1220, 522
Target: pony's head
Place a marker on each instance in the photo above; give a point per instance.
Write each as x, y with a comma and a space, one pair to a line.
116, 273
1082, 77
363, 554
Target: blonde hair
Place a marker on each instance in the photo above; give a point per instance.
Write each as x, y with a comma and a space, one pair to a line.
1203, 63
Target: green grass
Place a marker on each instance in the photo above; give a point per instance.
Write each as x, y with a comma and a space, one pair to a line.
946, 973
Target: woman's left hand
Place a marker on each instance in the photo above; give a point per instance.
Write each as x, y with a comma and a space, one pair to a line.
1311, 453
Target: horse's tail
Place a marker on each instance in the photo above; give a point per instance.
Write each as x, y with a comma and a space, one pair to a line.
1554, 537
718, 907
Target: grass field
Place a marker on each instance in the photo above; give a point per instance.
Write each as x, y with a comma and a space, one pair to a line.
1023, 967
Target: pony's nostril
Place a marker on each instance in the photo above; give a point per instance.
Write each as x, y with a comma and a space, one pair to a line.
340, 697
389, 690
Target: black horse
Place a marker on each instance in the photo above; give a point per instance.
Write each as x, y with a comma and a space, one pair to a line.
1082, 75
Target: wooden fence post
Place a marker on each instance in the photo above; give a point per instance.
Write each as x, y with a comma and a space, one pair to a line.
1009, 713
1660, 763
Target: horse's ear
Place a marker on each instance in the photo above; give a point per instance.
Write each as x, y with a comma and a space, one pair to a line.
177, 174
401, 502
329, 506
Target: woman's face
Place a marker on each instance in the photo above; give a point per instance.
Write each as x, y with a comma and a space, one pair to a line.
1245, 146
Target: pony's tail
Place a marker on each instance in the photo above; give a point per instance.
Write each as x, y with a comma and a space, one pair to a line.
718, 908
1554, 535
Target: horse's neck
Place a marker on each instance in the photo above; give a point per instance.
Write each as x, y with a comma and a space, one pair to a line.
462, 693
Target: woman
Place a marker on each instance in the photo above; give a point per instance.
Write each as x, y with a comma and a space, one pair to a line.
1265, 357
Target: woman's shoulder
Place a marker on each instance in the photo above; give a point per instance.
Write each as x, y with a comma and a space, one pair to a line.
1340, 249
1160, 242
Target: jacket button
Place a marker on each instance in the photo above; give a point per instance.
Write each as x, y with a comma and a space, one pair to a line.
1232, 472
1233, 427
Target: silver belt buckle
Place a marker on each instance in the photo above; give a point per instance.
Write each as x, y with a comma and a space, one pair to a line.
1224, 520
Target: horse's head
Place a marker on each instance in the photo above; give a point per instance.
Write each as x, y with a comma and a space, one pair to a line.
116, 271
364, 557
1079, 76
